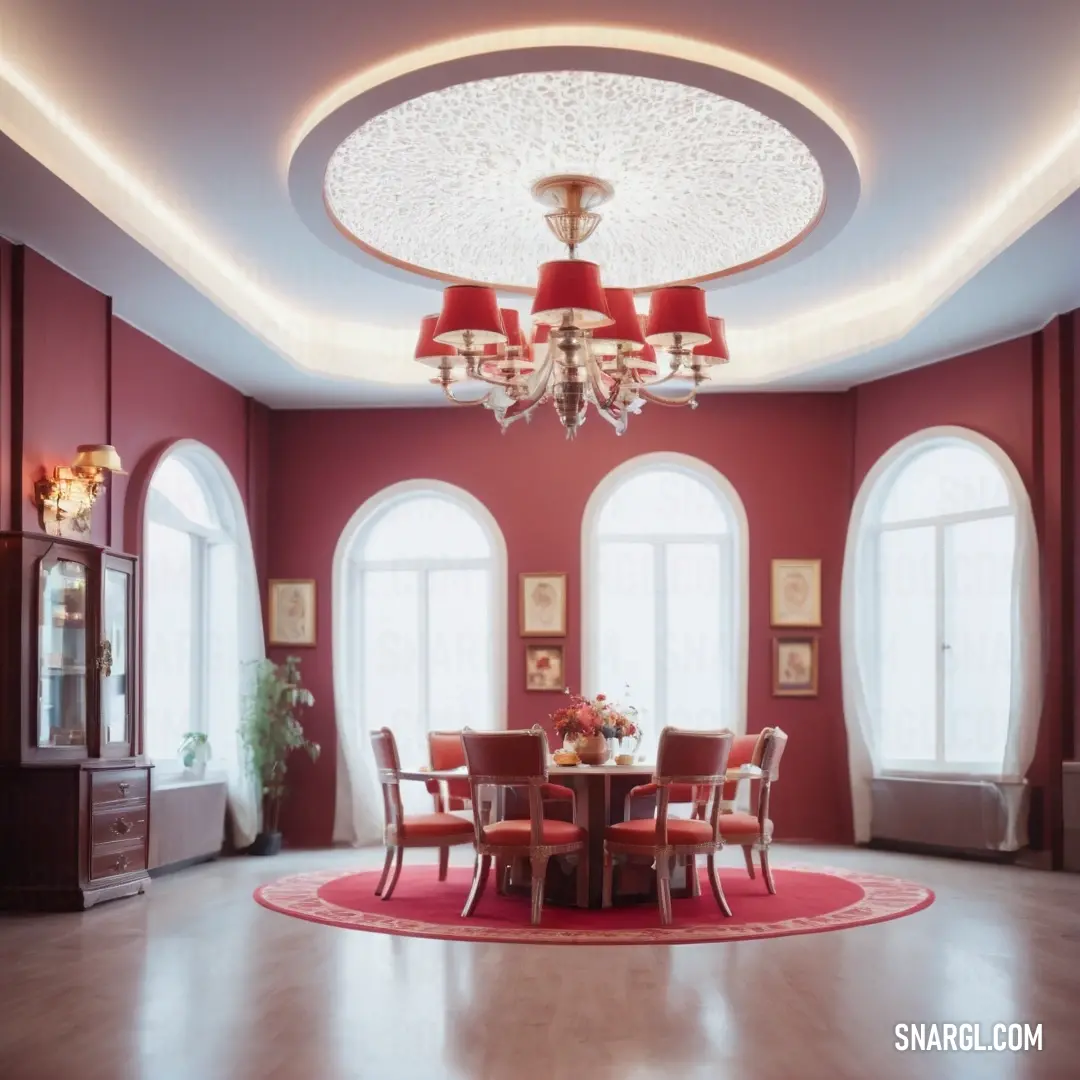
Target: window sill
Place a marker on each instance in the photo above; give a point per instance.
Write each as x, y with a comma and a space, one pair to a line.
169, 779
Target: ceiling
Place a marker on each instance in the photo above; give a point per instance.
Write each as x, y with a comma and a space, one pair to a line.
173, 155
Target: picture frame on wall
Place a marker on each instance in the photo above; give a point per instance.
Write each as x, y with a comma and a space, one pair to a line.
795, 665
796, 592
291, 608
544, 668
542, 605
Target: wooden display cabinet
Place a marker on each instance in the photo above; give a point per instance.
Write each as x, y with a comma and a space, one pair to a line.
74, 792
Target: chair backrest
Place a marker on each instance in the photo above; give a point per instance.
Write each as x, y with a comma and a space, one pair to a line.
446, 752
699, 758
774, 742
388, 765
745, 750
507, 759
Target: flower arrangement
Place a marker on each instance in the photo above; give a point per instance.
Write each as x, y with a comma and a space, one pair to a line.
582, 717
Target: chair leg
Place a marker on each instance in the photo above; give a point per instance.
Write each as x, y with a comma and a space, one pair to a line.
608, 873
385, 870
748, 855
538, 865
480, 874
444, 862
717, 891
501, 869
663, 888
389, 890
766, 872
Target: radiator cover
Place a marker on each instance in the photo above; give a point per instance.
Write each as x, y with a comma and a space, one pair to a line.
967, 815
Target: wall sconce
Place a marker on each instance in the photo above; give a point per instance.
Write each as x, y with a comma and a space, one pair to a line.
67, 497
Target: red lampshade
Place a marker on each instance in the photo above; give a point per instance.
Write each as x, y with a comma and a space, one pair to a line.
512, 326
716, 350
541, 333
428, 350
570, 286
625, 327
469, 308
678, 309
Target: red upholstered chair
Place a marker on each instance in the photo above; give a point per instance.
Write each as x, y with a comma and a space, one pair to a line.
446, 752
754, 831
695, 758
518, 759
439, 830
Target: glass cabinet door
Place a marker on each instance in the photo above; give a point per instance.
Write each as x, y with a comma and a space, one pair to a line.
62, 654
114, 658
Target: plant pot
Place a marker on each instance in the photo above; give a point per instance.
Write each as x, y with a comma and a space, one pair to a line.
266, 844
593, 749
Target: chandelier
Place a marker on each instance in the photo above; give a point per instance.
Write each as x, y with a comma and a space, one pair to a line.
589, 345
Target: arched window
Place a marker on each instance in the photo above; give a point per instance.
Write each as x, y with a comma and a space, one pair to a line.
202, 621
665, 593
940, 611
420, 626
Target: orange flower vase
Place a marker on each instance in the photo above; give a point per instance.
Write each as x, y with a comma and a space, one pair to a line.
593, 749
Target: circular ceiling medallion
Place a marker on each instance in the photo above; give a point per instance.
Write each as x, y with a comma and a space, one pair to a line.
704, 185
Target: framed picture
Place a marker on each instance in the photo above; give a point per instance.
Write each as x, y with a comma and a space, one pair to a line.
543, 605
292, 611
795, 666
796, 592
544, 667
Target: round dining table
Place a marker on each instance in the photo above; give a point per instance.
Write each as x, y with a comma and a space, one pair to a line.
599, 800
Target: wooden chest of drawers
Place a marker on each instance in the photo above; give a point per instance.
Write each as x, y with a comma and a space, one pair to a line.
73, 835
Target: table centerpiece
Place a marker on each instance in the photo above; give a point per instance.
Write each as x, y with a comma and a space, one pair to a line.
590, 727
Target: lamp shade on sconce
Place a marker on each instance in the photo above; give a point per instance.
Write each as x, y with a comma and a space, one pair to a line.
625, 327
428, 350
469, 311
678, 313
714, 351
570, 288
92, 456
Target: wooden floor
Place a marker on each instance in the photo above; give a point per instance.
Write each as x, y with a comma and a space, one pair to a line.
197, 982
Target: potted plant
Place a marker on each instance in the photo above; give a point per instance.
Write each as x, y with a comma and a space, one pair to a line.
194, 754
271, 731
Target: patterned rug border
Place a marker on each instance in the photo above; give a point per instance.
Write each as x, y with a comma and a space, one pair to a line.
884, 899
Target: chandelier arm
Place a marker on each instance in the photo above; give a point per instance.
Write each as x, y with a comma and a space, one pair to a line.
479, 376
659, 382
601, 398
659, 399
449, 395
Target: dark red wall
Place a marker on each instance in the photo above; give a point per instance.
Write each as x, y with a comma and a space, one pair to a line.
70, 373
789, 457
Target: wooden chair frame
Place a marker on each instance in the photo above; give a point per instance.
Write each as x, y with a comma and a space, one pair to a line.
774, 740
395, 837
536, 851
665, 853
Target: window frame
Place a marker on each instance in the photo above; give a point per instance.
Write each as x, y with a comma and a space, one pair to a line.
210, 473
347, 600
734, 544
866, 520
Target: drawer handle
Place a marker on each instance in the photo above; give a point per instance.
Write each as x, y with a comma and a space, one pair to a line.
121, 826
124, 787
120, 862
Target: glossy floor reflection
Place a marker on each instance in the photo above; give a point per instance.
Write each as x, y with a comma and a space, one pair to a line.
197, 982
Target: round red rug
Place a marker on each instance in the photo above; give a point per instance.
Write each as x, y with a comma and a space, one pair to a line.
808, 900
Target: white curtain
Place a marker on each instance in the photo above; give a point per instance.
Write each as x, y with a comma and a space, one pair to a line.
419, 637
870, 665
